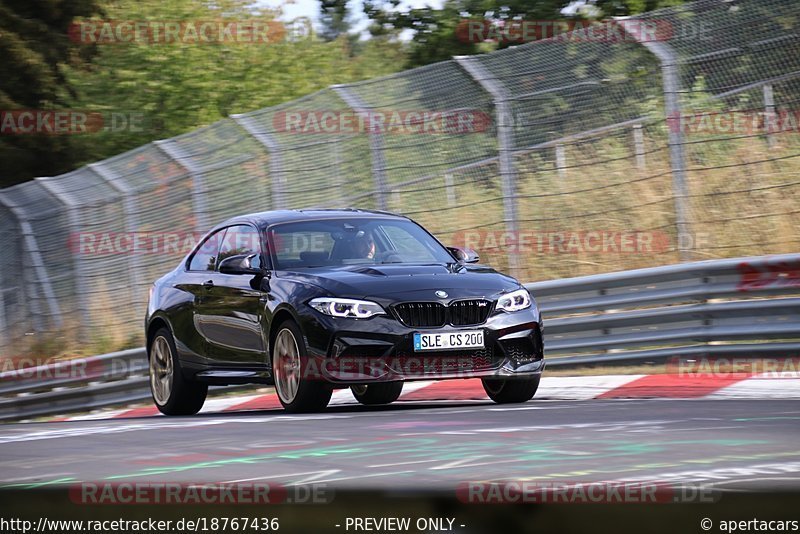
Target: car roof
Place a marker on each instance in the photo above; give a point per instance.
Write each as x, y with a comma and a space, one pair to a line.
267, 218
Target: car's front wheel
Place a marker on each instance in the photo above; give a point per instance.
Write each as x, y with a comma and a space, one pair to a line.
377, 393
172, 393
296, 392
508, 390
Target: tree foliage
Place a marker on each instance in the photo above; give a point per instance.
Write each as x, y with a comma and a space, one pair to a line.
35, 48
176, 87
435, 31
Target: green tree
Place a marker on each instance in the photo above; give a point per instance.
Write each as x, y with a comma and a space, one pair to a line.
35, 47
437, 33
334, 16
632, 7
178, 87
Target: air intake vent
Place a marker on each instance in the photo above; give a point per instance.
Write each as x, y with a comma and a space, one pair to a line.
468, 312
422, 314
434, 314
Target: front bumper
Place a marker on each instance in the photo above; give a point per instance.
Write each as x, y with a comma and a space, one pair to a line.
381, 349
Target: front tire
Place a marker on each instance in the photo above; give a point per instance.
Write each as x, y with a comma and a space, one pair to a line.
377, 393
511, 390
296, 392
172, 393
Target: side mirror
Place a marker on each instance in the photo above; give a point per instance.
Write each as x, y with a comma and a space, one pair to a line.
464, 255
240, 264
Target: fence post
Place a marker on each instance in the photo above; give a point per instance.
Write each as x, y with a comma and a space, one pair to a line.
3, 326
769, 114
638, 146
176, 153
376, 147
5, 336
131, 220
505, 146
670, 77
450, 191
72, 216
561, 161
277, 175
31, 247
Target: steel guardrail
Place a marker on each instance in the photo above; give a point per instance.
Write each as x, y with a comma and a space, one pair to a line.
742, 307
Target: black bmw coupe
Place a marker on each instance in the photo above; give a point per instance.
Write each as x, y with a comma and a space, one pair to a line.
311, 301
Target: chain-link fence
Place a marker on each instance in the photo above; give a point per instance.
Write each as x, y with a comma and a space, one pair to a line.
672, 136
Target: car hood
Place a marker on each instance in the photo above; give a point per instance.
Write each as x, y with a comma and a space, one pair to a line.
406, 282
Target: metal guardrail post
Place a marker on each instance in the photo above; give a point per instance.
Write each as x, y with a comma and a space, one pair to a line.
174, 152
131, 220
3, 325
672, 107
638, 146
769, 115
376, 146
276, 171
505, 146
80, 280
31, 247
561, 161
450, 191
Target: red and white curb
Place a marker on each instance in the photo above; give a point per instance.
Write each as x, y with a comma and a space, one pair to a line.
759, 386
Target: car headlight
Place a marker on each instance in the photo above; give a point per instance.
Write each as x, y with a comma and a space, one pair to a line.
335, 307
514, 301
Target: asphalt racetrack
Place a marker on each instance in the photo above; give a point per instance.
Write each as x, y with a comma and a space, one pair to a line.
732, 444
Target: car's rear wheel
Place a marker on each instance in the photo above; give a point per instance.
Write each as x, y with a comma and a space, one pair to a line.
377, 393
508, 390
172, 393
296, 392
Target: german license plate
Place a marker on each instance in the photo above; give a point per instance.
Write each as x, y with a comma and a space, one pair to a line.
468, 339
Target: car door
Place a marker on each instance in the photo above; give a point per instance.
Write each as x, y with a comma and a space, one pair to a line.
188, 321
232, 307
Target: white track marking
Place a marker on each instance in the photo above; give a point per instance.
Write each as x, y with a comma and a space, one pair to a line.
581, 387
411, 387
222, 404
345, 396
760, 387
108, 414
372, 475
402, 463
153, 424
312, 475
342, 396
776, 385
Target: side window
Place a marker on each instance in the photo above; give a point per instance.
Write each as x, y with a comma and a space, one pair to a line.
204, 259
304, 247
241, 239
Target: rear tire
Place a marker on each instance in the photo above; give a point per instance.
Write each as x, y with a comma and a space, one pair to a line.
377, 393
172, 393
297, 393
510, 390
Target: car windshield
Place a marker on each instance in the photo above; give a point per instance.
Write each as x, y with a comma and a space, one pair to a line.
339, 242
